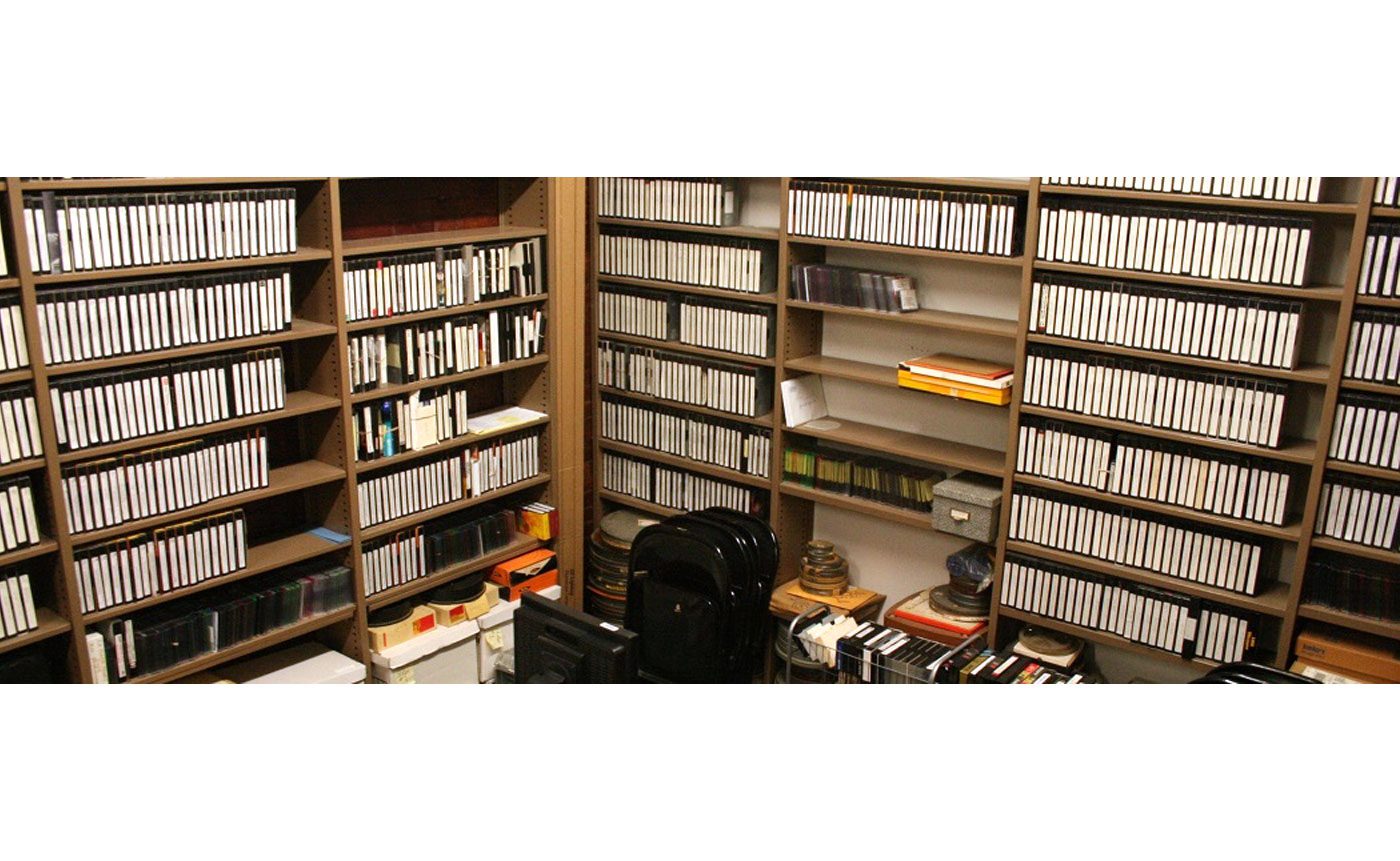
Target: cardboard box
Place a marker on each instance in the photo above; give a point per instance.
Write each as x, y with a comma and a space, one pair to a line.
305, 664
968, 505
531, 572
442, 656
498, 633
1348, 655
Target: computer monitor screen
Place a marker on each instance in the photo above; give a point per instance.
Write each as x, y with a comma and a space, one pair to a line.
556, 643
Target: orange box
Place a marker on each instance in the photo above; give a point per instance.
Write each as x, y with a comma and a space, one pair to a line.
536, 570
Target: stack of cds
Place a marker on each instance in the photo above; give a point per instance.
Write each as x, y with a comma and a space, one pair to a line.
608, 552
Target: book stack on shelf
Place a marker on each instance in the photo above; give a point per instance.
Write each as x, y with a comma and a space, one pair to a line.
958, 377
217, 373
684, 340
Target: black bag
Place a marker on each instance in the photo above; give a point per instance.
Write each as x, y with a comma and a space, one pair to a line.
698, 595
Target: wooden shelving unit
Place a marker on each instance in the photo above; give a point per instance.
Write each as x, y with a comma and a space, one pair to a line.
313, 483
1329, 299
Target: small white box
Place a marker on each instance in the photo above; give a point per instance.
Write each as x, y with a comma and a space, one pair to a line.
305, 664
498, 632
442, 656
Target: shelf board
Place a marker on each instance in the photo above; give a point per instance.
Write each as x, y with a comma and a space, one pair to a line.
23, 375
1015, 262
408, 521
911, 446
741, 231
1361, 469
878, 510
1312, 374
1351, 548
846, 369
520, 544
1385, 211
986, 183
1101, 637
301, 330
1321, 293
1291, 532
50, 625
457, 442
11, 283
1373, 388
378, 245
262, 558
247, 647
1293, 451
282, 480
1208, 200
1392, 302
672, 287
438, 313
298, 404
447, 379
765, 420
995, 327
678, 347
1271, 601
139, 182
34, 551
685, 463
639, 504
1379, 627
19, 467
303, 254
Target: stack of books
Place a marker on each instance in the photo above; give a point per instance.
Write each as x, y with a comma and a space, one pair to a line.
958, 377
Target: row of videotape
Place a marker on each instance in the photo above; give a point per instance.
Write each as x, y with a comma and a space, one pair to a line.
1354, 586
14, 346
423, 351
732, 445
1373, 348
1231, 485
18, 612
171, 634
69, 233
1224, 327
1174, 623
684, 379
19, 425
1284, 188
708, 202
111, 320
677, 489
1360, 511
19, 517
862, 476
1222, 406
969, 222
378, 287
456, 541
1366, 430
719, 263
733, 327
98, 409
1214, 244
481, 469
1119, 535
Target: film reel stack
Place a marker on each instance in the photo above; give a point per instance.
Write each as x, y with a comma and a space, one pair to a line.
609, 549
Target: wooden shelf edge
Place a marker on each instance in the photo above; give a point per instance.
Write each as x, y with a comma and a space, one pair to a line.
1379, 627
404, 242
447, 379
34, 551
299, 403
1326, 292
1271, 601
247, 647
282, 480
20, 467
1291, 533
685, 463
263, 558
678, 347
1208, 200
141, 182
690, 289
888, 513
639, 504
1361, 469
1100, 637
371, 323
765, 420
22, 375
910, 446
929, 318
304, 254
50, 624
739, 231
1292, 451
1016, 262
379, 530
521, 544
1312, 374
301, 330
1351, 548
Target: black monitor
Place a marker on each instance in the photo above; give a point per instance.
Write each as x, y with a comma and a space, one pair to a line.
556, 643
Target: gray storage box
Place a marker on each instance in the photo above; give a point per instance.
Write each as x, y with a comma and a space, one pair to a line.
968, 505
